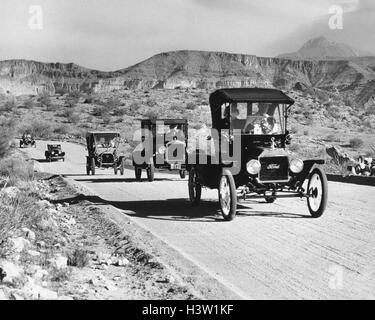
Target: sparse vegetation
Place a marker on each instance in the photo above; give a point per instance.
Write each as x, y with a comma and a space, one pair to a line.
355, 142
78, 258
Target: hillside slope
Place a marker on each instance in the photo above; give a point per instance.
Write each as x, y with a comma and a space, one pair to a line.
193, 69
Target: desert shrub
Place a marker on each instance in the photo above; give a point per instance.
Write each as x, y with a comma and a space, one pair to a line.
151, 114
332, 137
61, 91
89, 99
106, 118
334, 111
15, 170
99, 111
305, 132
39, 129
71, 115
60, 275
44, 100
61, 129
151, 102
8, 106
6, 135
78, 258
120, 112
355, 142
28, 104
133, 108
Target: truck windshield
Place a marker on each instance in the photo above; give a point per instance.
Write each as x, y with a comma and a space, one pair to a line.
257, 118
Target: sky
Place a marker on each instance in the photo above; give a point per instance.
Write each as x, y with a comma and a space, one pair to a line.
114, 34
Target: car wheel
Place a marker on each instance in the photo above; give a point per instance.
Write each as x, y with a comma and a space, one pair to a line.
195, 188
93, 166
317, 191
270, 199
150, 172
122, 167
138, 173
182, 174
227, 195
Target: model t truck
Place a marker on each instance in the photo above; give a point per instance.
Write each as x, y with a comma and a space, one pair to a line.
252, 124
163, 146
54, 152
102, 147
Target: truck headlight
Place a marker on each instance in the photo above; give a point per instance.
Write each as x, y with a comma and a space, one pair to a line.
162, 149
253, 167
296, 165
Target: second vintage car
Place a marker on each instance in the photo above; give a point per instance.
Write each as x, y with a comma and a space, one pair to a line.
102, 147
54, 152
252, 123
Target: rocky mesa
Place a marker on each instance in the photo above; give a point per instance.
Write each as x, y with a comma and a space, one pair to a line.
354, 76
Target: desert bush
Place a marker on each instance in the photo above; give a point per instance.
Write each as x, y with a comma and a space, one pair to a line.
133, 109
191, 106
151, 114
44, 100
99, 111
16, 170
78, 258
151, 102
6, 135
61, 91
28, 104
119, 111
60, 275
39, 129
106, 118
61, 129
71, 115
8, 106
332, 137
355, 142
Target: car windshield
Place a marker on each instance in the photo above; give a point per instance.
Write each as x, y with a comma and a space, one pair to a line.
170, 131
256, 118
106, 140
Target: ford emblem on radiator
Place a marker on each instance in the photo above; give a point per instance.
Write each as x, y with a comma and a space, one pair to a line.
273, 166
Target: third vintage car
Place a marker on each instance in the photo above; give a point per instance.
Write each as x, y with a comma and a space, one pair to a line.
164, 141
255, 119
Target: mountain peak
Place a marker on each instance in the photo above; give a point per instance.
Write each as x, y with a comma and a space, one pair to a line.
321, 48
316, 42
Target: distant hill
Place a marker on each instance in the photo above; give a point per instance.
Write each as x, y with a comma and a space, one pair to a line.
194, 69
322, 49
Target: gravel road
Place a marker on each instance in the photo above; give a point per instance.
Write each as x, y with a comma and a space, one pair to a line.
270, 251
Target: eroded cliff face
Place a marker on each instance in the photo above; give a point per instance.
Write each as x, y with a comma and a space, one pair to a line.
19, 77
190, 69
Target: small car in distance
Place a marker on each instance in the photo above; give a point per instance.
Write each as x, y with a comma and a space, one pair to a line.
102, 147
167, 149
27, 140
255, 119
54, 152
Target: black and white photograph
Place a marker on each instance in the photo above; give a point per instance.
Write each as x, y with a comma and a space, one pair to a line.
198, 151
